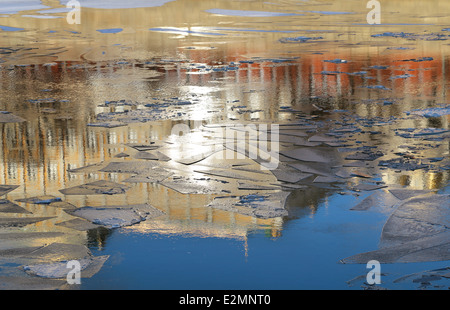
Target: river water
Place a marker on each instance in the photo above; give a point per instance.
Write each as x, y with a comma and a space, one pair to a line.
131, 71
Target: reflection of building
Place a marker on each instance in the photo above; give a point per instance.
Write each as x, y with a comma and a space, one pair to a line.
339, 30
40, 167
37, 154
68, 76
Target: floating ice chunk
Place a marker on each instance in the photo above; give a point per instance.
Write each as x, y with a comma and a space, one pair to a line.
31, 283
185, 185
58, 270
337, 61
379, 199
327, 179
417, 231
255, 186
430, 112
309, 155
101, 187
366, 187
154, 175
393, 34
51, 253
110, 30
413, 132
403, 194
194, 156
403, 164
300, 39
285, 173
425, 276
135, 167
378, 67
152, 156
7, 206
78, 224
4, 189
244, 175
47, 199
419, 59
416, 218
20, 222
365, 155
7, 117
111, 124
14, 236
434, 248
312, 168
117, 216
88, 168
402, 76
121, 155
144, 147
255, 205
381, 87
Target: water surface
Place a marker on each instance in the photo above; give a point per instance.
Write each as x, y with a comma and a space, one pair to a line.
242, 62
